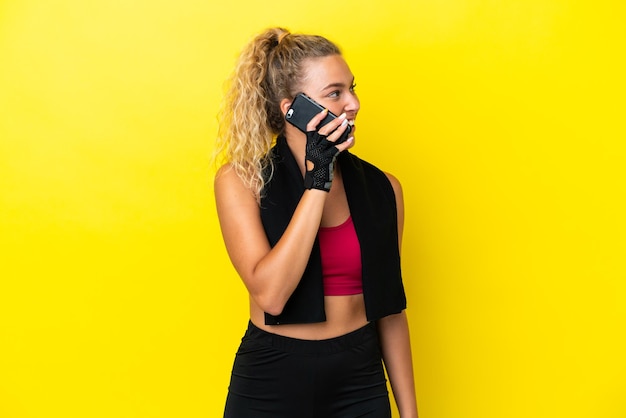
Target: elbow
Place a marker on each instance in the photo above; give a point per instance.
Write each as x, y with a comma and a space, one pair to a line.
274, 310
272, 305
270, 296
393, 320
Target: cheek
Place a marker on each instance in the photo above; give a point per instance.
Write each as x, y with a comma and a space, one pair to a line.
336, 109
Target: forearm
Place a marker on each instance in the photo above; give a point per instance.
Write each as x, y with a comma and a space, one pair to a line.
278, 273
396, 348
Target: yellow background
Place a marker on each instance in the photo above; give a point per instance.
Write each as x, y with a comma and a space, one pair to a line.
503, 119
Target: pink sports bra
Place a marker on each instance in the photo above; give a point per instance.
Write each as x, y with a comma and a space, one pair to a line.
341, 259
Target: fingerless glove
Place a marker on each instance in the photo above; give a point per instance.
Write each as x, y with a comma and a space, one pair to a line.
319, 161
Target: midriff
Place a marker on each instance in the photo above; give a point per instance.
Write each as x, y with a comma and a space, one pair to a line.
344, 314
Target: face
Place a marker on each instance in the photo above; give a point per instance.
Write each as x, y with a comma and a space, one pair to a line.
329, 81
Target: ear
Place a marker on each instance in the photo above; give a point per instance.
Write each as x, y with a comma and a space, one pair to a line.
284, 105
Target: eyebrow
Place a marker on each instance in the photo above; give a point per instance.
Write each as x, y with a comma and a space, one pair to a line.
334, 85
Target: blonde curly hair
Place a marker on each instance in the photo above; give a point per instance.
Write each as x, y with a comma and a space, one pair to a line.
269, 69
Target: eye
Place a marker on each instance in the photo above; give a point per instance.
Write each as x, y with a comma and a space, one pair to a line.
333, 94
352, 87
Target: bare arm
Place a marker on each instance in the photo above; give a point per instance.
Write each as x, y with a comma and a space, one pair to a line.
396, 347
270, 274
395, 340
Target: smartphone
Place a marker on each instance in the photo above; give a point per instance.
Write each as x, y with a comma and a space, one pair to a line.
302, 110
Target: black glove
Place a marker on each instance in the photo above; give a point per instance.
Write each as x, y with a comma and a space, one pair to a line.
319, 161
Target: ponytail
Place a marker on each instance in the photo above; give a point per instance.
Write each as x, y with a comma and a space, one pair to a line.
268, 70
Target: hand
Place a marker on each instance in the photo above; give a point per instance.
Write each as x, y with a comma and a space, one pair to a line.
321, 150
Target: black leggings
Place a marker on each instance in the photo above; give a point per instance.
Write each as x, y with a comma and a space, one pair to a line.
282, 377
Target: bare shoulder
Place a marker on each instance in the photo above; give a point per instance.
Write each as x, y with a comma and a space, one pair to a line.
397, 190
225, 174
230, 190
227, 180
395, 183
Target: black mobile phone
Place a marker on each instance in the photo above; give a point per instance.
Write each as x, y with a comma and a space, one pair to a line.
302, 110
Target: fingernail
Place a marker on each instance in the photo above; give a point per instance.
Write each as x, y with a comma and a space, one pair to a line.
342, 116
345, 122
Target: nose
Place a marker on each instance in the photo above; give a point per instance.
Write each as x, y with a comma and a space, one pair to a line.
352, 105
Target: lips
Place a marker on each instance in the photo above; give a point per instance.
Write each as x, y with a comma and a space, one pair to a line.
351, 123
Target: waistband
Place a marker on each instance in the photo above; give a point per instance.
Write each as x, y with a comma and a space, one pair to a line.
365, 334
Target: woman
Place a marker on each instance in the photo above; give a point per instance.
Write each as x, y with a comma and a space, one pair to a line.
314, 233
